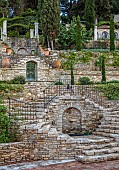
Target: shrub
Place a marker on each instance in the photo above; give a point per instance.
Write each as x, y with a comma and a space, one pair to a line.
7, 131
59, 83
113, 81
18, 80
111, 90
85, 81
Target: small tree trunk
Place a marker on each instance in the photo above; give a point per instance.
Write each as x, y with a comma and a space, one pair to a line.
48, 44
52, 45
72, 74
103, 69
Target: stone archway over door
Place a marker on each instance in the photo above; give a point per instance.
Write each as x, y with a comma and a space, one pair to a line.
31, 67
71, 121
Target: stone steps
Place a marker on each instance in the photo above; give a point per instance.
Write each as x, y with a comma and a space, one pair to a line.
107, 130
101, 146
114, 119
101, 151
110, 123
97, 158
30, 117
106, 134
109, 126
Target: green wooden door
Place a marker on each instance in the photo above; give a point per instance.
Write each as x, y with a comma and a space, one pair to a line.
31, 71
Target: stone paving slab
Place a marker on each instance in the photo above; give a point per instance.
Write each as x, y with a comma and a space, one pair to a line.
30, 165
64, 165
109, 165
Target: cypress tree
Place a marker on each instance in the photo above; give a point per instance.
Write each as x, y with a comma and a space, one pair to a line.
103, 9
49, 17
72, 73
103, 69
89, 14
78, 35
112, 44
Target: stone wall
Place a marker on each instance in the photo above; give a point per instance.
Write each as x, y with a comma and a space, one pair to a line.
88, 114
45, 72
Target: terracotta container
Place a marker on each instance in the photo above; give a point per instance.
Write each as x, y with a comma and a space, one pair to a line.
9, 50
56, 64
46, 52
5, 62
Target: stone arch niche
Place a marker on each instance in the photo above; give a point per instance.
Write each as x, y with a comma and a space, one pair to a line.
22, 51
105, 35
71, 121
31, 71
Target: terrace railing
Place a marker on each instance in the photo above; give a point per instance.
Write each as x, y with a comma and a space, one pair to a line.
22, 111
61, 87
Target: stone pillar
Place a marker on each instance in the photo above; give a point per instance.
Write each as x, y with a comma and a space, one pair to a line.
31, 33
4, 30
95, 31
1, 33
36, 30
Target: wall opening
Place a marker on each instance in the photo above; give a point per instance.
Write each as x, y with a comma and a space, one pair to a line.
31, 67
71, 121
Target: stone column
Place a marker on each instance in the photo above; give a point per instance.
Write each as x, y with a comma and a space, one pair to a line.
31, 33
4, 30
1, 33
36, 30
95, 31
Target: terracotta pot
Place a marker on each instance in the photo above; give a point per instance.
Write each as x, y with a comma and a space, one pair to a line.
5, 63
5, 46
9, 50
56, 64
46, 52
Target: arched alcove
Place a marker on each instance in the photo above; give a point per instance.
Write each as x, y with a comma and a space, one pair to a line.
71, 121
116, 35
105, 35
22, 51
31, 70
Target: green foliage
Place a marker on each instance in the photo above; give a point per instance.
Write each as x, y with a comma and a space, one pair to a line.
27, 35
100, 23
110, 90
88, 132
89, 14
13, 33
67, 37
70, 59
103, 9
6, 88
103, 68
29, 12
7, 131
18, 80
86, 57
72, 73
113, 81
19, 25
115, 60
85, 81
112, 35
49, 19
78, 34
59, 83
41, 39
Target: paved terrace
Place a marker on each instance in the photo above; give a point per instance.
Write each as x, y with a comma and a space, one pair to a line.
63, 165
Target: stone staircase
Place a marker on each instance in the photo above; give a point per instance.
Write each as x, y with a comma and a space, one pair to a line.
101, 146
109, 125
109, 129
